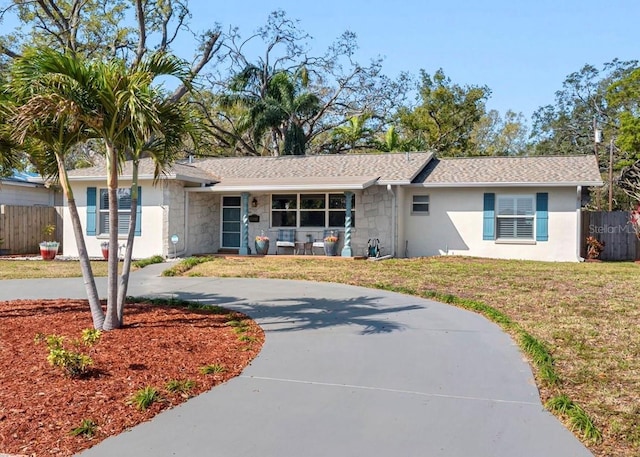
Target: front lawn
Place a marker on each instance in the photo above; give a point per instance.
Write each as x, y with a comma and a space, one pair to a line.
31, 269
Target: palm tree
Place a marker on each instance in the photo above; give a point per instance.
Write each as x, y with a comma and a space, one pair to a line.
131, 113
277, 106
47, 125
119, 106
162, 148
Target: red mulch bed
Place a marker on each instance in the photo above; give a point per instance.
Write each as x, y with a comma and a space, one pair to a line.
39, 405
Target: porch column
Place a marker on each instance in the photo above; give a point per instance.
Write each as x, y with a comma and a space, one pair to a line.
346, 250
244, 225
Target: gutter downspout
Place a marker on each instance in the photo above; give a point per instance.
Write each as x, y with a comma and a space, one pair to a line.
579, 223
394, 210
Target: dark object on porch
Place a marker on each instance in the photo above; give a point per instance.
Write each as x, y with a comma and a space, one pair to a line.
373, 247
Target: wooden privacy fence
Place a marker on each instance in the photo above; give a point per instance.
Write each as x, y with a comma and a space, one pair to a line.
614, 229
21, 227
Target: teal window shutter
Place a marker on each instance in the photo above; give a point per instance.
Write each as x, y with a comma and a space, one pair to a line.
138, 230
542, 216
489, 220
91, 211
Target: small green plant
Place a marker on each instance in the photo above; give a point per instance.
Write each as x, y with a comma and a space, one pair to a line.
239, 326
146, 397
247, 339
178, 302
48, 231
214, 368
74, 364
540, 357
576, 416
91, 336
176, 386
87, 428
148, 261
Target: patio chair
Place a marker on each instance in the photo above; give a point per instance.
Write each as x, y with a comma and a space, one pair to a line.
286, 239
319, 243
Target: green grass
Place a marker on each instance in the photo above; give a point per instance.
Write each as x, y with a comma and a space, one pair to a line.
32, 269
577, 418
179, 303
148, 261
185, 265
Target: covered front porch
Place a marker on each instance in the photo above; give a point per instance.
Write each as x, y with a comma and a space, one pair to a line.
224, 221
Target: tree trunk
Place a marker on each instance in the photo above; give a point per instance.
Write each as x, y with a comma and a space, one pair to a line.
111, 321
85, 265
126, 267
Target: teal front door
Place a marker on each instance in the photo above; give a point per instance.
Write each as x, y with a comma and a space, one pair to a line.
231, 218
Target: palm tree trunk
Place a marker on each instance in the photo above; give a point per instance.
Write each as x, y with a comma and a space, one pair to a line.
111, 321
97, 314
126, 267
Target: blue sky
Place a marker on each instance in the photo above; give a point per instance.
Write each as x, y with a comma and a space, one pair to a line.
521, 49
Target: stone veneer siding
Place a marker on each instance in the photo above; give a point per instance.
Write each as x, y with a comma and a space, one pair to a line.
173, 217
204, 223
373, 220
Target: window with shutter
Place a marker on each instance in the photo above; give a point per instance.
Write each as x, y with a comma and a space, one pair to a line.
124, 211
515, 217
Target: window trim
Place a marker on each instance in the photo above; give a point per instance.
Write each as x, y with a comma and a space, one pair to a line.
415, 212
327, 210
532, 217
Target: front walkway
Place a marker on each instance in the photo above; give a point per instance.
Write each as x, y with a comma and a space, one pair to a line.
345, 371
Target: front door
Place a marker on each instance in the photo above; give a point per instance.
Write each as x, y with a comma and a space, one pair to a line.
231, 219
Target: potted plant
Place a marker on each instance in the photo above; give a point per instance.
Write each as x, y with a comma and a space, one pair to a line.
262, 244
48, 248
331, 245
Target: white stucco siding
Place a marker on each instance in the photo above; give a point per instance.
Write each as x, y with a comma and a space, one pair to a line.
149, 243
454, 225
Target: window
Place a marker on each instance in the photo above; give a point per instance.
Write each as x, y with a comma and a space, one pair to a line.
337, 207
283, 210
310, 210
515, 217
124, 211
420, 204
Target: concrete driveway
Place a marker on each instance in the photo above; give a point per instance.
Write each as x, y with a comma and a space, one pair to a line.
345, 371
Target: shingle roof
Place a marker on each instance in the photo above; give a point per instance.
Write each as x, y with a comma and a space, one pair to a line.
358, 171
559, 170
388, 168
185, 172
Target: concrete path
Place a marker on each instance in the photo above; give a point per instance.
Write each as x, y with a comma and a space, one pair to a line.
345, 371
